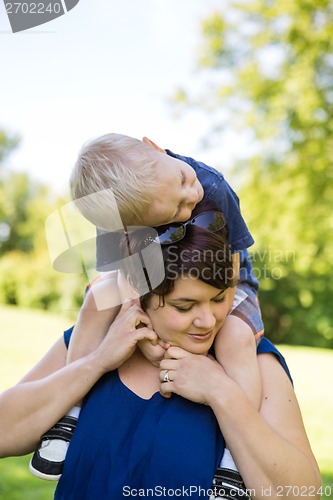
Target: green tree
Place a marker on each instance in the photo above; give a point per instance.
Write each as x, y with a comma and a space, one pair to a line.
7, 144
26, 203
268, 73
27, 277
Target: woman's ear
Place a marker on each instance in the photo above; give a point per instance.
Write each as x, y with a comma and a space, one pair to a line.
153, 145
126, 290
133, 293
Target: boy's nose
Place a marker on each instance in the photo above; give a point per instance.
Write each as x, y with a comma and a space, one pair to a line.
192, 194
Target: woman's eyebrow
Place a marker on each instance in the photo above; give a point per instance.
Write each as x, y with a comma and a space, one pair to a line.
189, 299
183, 299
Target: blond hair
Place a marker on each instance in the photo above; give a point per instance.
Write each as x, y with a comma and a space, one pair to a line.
114, 175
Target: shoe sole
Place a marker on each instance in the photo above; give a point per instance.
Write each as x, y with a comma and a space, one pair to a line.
41, 475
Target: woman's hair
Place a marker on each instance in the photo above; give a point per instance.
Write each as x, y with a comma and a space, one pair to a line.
114, 174
201, 254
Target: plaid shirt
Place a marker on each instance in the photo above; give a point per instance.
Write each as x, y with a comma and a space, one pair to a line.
246, 307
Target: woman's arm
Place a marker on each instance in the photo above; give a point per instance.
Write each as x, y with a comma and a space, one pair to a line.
49, 390
270, 448
43, 396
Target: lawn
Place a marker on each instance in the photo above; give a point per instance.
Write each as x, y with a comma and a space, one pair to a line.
26, 335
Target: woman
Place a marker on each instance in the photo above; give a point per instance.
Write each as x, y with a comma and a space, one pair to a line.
130, 441
130, 438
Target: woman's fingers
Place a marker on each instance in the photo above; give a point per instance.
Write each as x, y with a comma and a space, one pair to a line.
132, 311
166, 376
146, 333
168, 368
166, 381
168, 364
176, 353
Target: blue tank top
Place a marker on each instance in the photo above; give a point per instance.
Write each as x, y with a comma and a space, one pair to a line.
125, 445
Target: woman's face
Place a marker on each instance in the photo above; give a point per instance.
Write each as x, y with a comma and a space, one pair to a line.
191, 316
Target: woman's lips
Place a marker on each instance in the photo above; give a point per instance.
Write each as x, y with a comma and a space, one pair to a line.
201, 337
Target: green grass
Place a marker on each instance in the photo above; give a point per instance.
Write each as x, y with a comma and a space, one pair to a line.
26, 335
311, 369
16, 483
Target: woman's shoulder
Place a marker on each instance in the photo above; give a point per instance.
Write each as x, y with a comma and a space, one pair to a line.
267, 347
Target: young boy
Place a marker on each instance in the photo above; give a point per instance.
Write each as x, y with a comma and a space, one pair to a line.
114, 176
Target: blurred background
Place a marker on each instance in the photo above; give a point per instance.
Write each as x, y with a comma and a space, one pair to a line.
245, 86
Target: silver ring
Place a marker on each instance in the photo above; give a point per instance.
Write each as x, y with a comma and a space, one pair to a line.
166, 377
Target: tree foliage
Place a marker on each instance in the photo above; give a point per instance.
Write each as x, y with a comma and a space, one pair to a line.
267, 68
27, 277
7, 144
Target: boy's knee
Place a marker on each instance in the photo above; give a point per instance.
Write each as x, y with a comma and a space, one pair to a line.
103, 294
238, 334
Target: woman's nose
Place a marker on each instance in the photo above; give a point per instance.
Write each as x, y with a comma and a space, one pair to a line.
205, 319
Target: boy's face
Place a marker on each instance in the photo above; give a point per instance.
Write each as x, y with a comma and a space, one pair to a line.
178, 193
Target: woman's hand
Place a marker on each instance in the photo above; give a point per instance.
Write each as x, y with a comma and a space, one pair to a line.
194, 376
129, 327
154, 350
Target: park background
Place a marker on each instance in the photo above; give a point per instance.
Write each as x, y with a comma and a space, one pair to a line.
246, 87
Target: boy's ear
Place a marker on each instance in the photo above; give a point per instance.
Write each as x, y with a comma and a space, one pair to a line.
152, 144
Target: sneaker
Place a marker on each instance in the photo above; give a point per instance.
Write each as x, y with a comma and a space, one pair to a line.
48, 461
228, 484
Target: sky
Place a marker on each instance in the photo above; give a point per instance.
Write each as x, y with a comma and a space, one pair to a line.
105, 66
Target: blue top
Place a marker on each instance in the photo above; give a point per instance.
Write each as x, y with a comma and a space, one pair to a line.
123, 442
217, 190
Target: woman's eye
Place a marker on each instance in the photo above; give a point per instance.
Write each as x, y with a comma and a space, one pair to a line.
217, 301
183, 178
182, 309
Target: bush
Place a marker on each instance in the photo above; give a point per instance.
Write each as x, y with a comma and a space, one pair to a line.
28, 280
296, 306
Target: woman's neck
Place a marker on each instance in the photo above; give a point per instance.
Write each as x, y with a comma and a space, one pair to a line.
140, 375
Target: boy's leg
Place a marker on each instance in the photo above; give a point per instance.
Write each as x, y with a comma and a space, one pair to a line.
235, 349
90, 329
94, 321
246, 305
